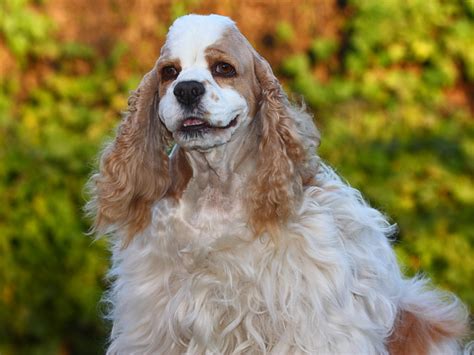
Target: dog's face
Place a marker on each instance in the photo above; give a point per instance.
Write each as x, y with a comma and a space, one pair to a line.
207, 84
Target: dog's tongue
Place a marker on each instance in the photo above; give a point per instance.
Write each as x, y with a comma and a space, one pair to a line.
193, 122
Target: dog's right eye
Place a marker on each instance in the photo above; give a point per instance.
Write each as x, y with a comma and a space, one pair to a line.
169, 73
223, 69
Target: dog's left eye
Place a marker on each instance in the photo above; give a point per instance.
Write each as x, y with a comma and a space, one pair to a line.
169, 73
223, 69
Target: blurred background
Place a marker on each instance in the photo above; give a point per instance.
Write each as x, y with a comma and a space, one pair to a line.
391, 85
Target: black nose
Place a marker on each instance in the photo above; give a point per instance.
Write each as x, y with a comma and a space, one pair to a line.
189, 92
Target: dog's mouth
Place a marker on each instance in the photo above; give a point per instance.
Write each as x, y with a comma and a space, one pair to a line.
196, 124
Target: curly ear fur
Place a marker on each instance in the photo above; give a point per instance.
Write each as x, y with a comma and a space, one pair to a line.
134, 167
287, 159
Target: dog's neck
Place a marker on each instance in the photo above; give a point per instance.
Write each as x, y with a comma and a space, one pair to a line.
217, 191
217, 168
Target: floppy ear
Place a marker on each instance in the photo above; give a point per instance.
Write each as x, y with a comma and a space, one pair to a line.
287, 159
134, 167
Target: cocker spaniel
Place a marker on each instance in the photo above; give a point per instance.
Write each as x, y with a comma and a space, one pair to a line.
241, 240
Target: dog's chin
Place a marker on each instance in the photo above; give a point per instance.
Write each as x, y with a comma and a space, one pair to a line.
198, 134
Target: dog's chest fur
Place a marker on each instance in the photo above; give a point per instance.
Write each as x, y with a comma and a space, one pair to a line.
197, 281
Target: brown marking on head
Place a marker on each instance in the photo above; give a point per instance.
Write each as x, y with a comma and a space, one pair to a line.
164, 61
234, 49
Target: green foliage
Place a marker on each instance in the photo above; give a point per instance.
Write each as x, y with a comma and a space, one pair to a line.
323, 48
51, 273
180, 7
284, 32
387, 121
24, 31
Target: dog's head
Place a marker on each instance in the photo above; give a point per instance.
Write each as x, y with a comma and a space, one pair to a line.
207, 87
207, 83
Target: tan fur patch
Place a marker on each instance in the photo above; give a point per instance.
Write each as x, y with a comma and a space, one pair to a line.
410, 336
413, 335
134, 167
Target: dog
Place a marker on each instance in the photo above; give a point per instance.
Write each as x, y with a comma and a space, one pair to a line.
241, 240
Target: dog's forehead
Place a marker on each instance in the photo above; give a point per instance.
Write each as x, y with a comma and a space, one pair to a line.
190, 35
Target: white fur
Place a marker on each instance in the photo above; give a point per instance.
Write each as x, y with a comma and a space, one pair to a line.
190, 34
331, 284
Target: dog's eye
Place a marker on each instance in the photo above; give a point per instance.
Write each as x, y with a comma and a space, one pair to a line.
169, 73
223, 69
